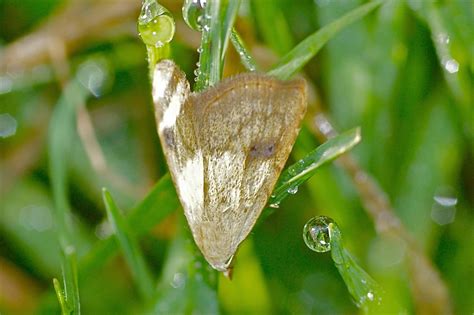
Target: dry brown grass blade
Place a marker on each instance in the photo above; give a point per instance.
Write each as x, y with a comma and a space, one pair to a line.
73, 24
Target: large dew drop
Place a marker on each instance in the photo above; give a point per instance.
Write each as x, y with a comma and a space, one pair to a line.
155, 24
316, 234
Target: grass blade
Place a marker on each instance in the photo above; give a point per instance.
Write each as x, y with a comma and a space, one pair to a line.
365, 291
301, 171
60, 136
293, 61
216, 31
129, 245
245, 57
69, 296
156, 206
61, 297
273, 26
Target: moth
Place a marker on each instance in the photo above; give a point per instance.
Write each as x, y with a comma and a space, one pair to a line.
225, 148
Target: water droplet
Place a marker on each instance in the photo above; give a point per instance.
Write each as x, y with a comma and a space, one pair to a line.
442, 38
451, 65
443, 210
103, 230
316, 234
6, 84
370, 296
179, 280
193, 13
386, 252
156, 26
93, 75
292, 190
8, 125
275, 205
36, 218
446, 201
323, 125
292, 171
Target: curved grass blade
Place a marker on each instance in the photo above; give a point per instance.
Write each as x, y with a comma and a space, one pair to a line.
301, 171
129, 245
293, 61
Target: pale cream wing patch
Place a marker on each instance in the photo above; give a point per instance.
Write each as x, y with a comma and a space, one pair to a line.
175, 124
246, 128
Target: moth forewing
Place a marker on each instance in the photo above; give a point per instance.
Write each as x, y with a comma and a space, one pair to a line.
225, 149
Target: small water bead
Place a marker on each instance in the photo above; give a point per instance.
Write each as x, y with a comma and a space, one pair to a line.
155, 24
275, 205
316, 234
370, 296
292, 190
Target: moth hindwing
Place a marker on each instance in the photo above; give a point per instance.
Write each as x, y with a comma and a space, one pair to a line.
225, 149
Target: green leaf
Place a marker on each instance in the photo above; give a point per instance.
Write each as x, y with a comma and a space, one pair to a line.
293, 61
129, 245
301, 171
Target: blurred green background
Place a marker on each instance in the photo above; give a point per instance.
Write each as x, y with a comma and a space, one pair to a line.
403, 73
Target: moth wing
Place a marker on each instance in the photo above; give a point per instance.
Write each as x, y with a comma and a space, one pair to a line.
247, 127
175, 124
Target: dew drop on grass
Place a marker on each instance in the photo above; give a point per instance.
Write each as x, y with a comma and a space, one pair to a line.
155, 24
179, 280
316, 234
292, 190
8, 125
193, 13
275, 205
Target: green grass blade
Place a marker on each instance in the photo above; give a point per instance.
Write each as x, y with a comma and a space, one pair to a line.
61, 297
301, 171
157, 205
60, 136
71, 286
273, 26
129, 246
293, 61
245, 56
216, 31
366, 292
